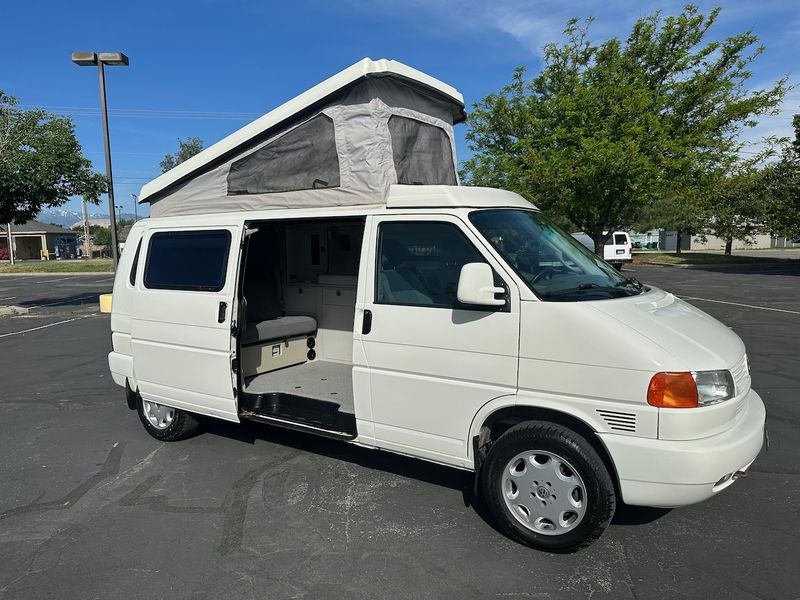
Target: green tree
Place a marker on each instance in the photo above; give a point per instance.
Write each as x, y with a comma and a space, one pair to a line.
736, 207
101, 235
186, 149
782, 182
609, 134
41, 163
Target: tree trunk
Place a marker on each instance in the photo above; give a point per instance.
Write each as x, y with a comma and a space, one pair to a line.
728, 246
599, 241
678, 241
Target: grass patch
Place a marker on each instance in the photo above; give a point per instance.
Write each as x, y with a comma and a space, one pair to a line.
700, 258
93, 265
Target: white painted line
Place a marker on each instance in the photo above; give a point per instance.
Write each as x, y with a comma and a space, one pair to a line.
45, 326
70, 301
9, 298
104, 280
53, 280
783, 310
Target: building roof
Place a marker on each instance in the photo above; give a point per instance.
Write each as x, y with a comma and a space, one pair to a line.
34, 226
318, 95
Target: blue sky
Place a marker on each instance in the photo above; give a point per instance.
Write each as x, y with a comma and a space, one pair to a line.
207, 67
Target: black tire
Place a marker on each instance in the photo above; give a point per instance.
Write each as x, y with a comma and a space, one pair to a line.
617, 266
600, 497
183, 424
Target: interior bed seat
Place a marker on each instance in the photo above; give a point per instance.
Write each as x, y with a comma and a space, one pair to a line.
282, 327
265, 318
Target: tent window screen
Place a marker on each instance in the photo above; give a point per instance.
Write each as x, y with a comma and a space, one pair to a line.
302, 159
422, 153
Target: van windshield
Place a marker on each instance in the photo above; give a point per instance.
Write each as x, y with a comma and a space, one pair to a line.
554, 265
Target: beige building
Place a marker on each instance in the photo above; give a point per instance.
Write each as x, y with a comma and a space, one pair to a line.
39, 241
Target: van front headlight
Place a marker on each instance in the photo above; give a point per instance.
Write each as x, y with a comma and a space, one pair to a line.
713, 386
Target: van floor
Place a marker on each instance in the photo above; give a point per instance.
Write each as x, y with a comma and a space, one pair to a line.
317, 379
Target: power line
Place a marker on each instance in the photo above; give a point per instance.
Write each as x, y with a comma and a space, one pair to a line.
142, 113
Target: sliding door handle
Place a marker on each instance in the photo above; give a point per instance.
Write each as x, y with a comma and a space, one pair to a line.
223, 309
366, 324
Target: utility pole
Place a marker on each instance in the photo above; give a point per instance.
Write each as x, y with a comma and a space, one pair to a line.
87, 242
135, 211
10, 243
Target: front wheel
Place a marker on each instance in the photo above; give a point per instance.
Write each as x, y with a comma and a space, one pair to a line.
547, 487
164, 422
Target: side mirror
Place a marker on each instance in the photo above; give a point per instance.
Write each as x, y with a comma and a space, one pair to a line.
476, 286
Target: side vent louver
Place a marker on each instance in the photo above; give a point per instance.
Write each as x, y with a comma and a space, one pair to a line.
619, 421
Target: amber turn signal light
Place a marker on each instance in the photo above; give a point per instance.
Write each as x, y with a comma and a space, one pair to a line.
672, 390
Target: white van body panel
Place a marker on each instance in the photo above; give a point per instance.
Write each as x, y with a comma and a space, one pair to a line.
676, 473
120, 359
425, 380
432, 369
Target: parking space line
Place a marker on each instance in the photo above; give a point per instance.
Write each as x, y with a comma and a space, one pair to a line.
3, 335
783, 310
47, 280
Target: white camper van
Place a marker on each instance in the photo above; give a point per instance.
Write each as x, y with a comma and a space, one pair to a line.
321, 270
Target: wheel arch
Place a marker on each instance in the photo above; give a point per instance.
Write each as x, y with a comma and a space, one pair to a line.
497, 422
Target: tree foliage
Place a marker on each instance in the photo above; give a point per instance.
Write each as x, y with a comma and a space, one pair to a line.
782, 183
186, 149
736, 207
41, 163
612, 133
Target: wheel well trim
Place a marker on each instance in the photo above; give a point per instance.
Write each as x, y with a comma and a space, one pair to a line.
506, 405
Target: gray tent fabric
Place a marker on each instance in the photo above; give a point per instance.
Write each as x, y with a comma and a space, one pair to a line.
348, 152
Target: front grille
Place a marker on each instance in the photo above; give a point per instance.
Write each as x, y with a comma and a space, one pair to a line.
619, 421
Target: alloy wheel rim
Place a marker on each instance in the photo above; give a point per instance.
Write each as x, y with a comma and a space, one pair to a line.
158, 415
544, 492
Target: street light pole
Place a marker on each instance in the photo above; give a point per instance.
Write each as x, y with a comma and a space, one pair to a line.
135, 210
100, 59
112, 214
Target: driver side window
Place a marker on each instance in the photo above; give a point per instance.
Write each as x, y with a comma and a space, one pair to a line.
419, 263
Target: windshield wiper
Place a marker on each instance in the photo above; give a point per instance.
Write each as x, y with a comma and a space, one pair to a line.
630, 281
584, 287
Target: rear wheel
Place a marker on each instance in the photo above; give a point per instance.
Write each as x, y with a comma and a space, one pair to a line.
166, 423
547, 487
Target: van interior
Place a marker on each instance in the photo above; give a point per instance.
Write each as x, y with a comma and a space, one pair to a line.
297, 307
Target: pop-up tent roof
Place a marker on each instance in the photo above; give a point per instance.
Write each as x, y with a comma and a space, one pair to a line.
341, 143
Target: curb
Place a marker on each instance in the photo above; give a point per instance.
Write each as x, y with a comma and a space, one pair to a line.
10, 311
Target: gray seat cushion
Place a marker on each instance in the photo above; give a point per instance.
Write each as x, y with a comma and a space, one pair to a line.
278, 329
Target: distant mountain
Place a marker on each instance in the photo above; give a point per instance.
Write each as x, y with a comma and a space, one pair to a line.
70, 218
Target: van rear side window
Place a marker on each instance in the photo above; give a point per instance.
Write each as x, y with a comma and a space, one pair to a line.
187, 260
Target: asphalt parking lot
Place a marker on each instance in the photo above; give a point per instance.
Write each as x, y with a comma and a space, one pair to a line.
92, 507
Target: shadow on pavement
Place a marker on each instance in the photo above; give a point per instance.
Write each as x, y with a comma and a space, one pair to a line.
396, 464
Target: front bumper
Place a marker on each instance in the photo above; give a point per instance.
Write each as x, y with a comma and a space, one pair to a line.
676, 473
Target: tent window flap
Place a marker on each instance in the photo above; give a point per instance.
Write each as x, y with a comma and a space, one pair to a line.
422, 153
302, 159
